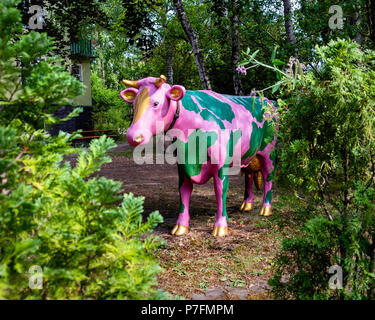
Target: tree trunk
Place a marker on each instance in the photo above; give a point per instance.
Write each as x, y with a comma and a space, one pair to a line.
371, 18
289, 25
169, 62
357, 22
190, 33
236, 53
103, 72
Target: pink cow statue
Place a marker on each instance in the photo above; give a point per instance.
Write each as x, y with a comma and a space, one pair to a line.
233, 125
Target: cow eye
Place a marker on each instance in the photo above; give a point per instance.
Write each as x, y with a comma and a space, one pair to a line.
156, 104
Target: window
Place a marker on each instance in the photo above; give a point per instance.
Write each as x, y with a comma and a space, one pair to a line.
77, 71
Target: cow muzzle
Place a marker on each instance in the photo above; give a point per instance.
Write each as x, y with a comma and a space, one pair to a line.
134, 140
137, 137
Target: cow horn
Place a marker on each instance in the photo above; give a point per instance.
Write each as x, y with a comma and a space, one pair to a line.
131, 83
160, 81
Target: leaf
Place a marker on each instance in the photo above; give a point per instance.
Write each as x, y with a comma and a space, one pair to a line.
252, 57
276, 87
273, 56
277, 62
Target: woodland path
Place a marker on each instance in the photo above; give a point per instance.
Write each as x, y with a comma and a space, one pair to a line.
197, 265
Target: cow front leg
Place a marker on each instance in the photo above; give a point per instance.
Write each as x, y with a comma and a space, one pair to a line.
248, 203
221, 189
185, 189
267, 173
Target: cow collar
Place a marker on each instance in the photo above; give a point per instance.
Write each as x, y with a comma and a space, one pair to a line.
176, 116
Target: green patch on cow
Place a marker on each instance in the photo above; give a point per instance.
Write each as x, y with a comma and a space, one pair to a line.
182, 207
268, 197
255, 141
224, 196
188, 102
223, 175
223, 171
192, 154
221, 109
273, 159
181, 179
208, 116
251, 104
268, 134
234, 137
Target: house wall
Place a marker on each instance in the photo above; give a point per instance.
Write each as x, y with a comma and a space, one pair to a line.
85, 99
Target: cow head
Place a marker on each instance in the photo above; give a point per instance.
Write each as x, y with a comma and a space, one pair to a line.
153, 101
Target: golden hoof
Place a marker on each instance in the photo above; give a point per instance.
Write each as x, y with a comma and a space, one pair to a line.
179, 230
220, 231
247, 206
265, 211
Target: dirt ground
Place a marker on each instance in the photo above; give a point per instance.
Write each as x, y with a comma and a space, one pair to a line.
198, 265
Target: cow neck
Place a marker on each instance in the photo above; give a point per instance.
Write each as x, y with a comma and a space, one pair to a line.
175, 117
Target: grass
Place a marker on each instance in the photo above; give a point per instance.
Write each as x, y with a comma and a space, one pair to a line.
200, 261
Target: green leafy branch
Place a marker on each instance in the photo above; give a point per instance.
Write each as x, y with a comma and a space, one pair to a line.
293, 75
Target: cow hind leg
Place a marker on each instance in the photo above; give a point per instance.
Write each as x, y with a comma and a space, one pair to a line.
221, 183
267, 173
252, 172
185, 189
248, 203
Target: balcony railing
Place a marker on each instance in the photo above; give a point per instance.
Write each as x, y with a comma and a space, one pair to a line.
82, 47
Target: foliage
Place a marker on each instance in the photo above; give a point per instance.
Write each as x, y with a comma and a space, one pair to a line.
139, 23
33, 92
312, 19
66, 21
135, 39
327, 129
56, 214
110, 111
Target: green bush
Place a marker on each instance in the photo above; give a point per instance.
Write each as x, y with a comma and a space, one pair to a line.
110, 111
55, 214
327, 130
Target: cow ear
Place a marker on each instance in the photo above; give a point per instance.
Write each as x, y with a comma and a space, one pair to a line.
129, 94
176, 93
